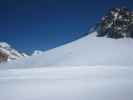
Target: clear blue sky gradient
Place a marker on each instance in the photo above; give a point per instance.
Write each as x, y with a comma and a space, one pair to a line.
43, 24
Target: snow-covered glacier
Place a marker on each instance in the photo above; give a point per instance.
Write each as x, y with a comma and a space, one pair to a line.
90, 68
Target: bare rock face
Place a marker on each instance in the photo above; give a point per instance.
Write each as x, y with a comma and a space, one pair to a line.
3, 57
117, 23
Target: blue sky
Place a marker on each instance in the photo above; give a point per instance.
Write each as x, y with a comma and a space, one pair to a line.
44, 24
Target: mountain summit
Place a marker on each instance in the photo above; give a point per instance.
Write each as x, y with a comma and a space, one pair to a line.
8, 53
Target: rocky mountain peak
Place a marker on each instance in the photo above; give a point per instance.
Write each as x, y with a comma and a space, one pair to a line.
117, 23
8, 53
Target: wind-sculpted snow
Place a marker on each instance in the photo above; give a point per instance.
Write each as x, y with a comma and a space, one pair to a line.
87, 51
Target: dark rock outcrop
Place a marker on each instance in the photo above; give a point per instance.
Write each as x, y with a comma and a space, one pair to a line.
117, 23
3, 57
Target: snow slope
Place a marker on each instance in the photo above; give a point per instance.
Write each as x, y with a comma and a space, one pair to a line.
87, 51
90, 68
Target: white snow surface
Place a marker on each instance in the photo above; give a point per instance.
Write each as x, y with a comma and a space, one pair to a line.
67, 83
37, 52
87, 51
90, 68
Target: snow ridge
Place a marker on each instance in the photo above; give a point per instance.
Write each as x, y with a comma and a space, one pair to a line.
86, 51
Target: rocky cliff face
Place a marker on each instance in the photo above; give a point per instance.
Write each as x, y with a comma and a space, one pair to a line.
117, 23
